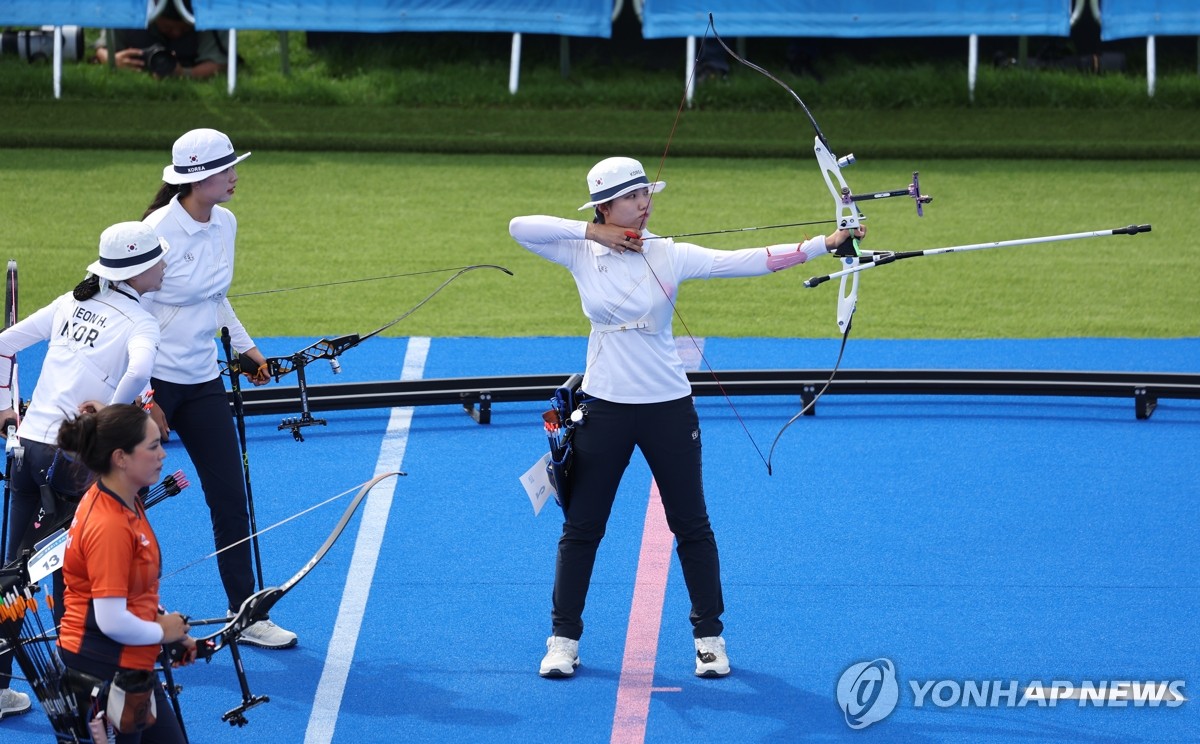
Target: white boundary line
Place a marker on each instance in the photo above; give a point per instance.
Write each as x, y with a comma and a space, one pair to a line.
332, 686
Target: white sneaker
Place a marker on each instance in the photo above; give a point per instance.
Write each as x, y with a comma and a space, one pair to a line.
711, 660
562, 656
266, 634
13, 703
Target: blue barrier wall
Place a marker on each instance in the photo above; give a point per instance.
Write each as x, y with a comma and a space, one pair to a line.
1123, 19
91, 13
565, 17
857, 18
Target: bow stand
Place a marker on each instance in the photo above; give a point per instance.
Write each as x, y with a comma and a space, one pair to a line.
329, 349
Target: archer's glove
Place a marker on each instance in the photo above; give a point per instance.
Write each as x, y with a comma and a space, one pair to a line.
261, 376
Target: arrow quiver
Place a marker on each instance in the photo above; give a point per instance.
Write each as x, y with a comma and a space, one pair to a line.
567, 413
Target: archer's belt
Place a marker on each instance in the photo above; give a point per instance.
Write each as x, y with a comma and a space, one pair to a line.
82, 683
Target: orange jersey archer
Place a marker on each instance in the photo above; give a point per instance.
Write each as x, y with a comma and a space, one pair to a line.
111, 552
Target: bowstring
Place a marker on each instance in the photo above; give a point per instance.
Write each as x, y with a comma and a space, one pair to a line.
674, 307
811, 403
821, 136
345, 281
265, 530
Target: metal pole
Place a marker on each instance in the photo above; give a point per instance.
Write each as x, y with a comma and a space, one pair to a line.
232, 75
514, 66
972, 65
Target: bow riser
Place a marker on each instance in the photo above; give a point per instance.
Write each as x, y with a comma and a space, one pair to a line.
847, 301
846, 214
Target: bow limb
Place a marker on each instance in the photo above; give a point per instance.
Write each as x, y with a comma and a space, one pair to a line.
847, 300
763, 71
430, 296
846, 305
332, 348
847, 215
341, 282
258, 605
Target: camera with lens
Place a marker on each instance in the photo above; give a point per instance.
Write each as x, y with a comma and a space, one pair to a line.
159, 61
38, 46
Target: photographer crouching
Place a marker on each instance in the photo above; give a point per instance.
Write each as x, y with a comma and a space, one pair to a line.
170, 47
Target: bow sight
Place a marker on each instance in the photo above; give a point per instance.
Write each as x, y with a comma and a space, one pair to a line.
847, 215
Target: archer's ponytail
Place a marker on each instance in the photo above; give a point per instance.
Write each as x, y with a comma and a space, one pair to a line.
93, 437
87, 289
165, 193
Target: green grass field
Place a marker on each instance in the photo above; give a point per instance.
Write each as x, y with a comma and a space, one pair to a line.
309, 217
400, 158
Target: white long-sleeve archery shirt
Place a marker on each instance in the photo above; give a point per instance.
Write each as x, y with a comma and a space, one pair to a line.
99, 349
629, 298
192, 305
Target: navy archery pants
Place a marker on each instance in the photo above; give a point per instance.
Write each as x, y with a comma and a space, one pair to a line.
201, 417
668, 435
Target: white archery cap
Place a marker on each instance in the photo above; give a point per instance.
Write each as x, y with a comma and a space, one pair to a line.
198, 154
126, 250
613, 177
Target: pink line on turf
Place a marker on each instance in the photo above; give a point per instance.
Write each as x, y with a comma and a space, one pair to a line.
645, 616
641, 638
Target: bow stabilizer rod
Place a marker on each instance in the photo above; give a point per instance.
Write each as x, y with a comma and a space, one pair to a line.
879, 258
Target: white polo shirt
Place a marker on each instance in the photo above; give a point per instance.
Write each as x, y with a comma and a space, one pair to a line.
192, 307
100, 349
631, 351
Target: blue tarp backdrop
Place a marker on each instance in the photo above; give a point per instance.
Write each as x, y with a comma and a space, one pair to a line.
661, 18
565, 17
857, 18
93, 13
1123, 19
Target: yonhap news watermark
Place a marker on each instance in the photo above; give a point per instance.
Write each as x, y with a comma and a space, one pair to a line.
868, 691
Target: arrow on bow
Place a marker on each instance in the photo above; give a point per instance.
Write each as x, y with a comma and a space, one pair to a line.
330, 349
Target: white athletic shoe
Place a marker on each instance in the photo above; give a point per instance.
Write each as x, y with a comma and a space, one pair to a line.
711, 660
562, 656
13, 703
266, 634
